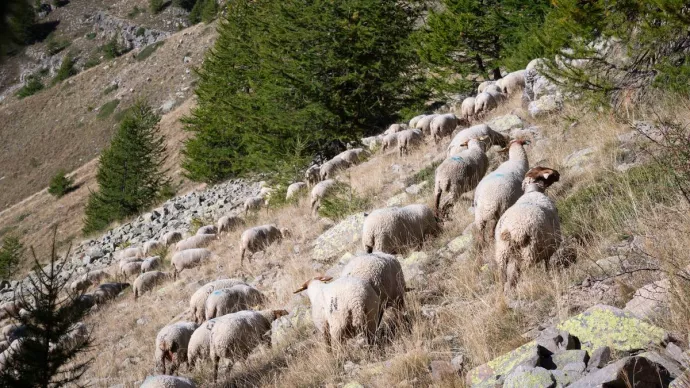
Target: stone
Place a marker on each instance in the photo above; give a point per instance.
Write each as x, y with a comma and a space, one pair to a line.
505, 124
579, 160
599, 358
569, 357
531, 133
95, 252
650, 301
441, 371
338, 239
399, 199
458, 363
545, 105
674, 368
677, 353
682, 381
353, 384
298, 322
565, 378
528, 355
576, 367
460, 244
88, 260
633, 372
557, 340
531, 378
416, 189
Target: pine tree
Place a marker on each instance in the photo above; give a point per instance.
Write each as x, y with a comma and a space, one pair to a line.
130, 172
17, 18
209, 11
285, 79
11, 254
43, 357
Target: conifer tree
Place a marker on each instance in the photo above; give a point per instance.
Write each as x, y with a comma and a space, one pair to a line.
17, 18
130, 172
11, 254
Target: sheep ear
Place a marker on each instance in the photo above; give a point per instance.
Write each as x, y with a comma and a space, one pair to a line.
304, 287
551, 177
324, 278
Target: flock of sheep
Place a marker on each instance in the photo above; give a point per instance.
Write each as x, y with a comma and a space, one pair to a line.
510, 209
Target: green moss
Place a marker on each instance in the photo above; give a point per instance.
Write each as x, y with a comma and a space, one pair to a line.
108, 108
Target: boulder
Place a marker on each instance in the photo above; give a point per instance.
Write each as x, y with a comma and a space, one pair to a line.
650, 301
545, 105
633, 372
338, 239
530, 378
489, 374
600, 357
505, 124
441, 371
579, 160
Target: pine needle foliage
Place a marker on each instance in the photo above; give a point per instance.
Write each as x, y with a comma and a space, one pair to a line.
286, 79
130, 172
11, 254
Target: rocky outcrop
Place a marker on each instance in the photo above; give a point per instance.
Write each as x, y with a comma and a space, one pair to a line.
130, 35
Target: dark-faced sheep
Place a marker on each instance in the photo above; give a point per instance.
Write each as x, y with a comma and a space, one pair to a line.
171, 345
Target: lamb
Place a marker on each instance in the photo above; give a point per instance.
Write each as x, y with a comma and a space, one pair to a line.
294, 190
234, 336
529, 231
482, 86
129, 269
312, 175
467, 108
395, 128
483, 103
414, 121
409, 139
343, 308
389, 141
151, 246
498, 191
320, 192
147, 281
259, 238
352, 156
208, 229
394, 229
331, 167
199, 346
80, 285
135, 252
476, 131
424, 124
228, 223
96, 276
150, 264
189, 258
197, 241
163, 381
443, 125
252, 203
460, 173
171, 345
107, 291
513, 82
230, 300
197, 303
170, 238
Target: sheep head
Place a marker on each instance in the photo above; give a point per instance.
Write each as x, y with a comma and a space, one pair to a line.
543, 177
323, 279
521, 142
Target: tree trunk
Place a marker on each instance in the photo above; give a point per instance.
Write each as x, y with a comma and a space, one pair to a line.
480, 64
497, 73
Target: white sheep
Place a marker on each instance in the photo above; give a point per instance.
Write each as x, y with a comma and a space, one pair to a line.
343, 308
10, 309
319, 192
414, 121
230, 300
253, 204
352, 156
498, 191
460, 173
424, 124
171, 345
389, 142
130, 268
483, 103
132, 252
199, 347
197, 303
460, 140
234, 336
330, 168
170, 238
442, 126
395, 128
229, 223
312, 175
482, 86
196, 241
147, 281
77, 335
151, 263
529, 231
467, 108
513, 82
394, 229
151, 246
189, 258
164, 381
408, 139
493, 88
259, 238
80, 285
207, 229
294, 190
107, 291
96, 276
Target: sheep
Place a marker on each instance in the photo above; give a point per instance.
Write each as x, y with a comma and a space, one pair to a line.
312, 175
352, 156
107, 291
188, 258
389, 141
424, 124
498, 191
259, 238
513, 82
331, 167
529, 231
96, 276
77, 336
235, 335
163, 381
147, 281
135, 252
482, 86
150, 264
409, 139
498, 96
467, 108
151, 246
208, 229
80, 285
10, 309
197, 241
443, 125
230, 300
197, 303
460, 173
393, 229
342, 308
7, 357
320, 192
253, 203
130, 268
199, 346
493, 88
228, 223
483, 103
395, 128
170, 238
294, 190
414, 121
171, 345
476, 131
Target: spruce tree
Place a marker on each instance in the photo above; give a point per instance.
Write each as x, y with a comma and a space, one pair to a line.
17, 18
286, 79
130, 172
11, 254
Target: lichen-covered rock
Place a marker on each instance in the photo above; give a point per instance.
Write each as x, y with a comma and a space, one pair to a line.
288, 327
489, 374
531, 378
505, 124
401, 199
650, 301
570, 357
545, 105
579, 160
338, 239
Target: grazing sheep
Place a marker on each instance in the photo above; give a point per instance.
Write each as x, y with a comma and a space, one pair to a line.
493, 88
513, 82
197, 241
199, 347
129, 269
151, 246
208, 229
442, 126
343, 308
147, 281
460, 140
482, 86
467, 109
171, 345
107, 291
331, 167
460, 173
313, 175
499, 97
230, 300
320, 192
170, 238
395, 128
150, 264
163, 381
189, 258
10, 309
414, 121
7, 357
394, 229
77, 335
424, 124
294, 190
389, 141
228, 223
253, 203
96, 276
408, 139
234, 336
483, 103
498, 191
80, 285
133, 252
352, 156
529, 231
259, 238
197, 303
13, 332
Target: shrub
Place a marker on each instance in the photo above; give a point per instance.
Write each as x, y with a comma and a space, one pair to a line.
113, 49
91, 36
209, 10
11, 254
140, 31
55, 45
33, 85
136, 11
66, 69
110, 89
108, 108
148, 50
156, 5
91, 62
60, 184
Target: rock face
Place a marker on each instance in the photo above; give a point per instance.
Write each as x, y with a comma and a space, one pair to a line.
650, 301
338, 239
131, 35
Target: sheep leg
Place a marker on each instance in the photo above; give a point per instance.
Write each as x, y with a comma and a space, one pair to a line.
512, 274
216, 360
